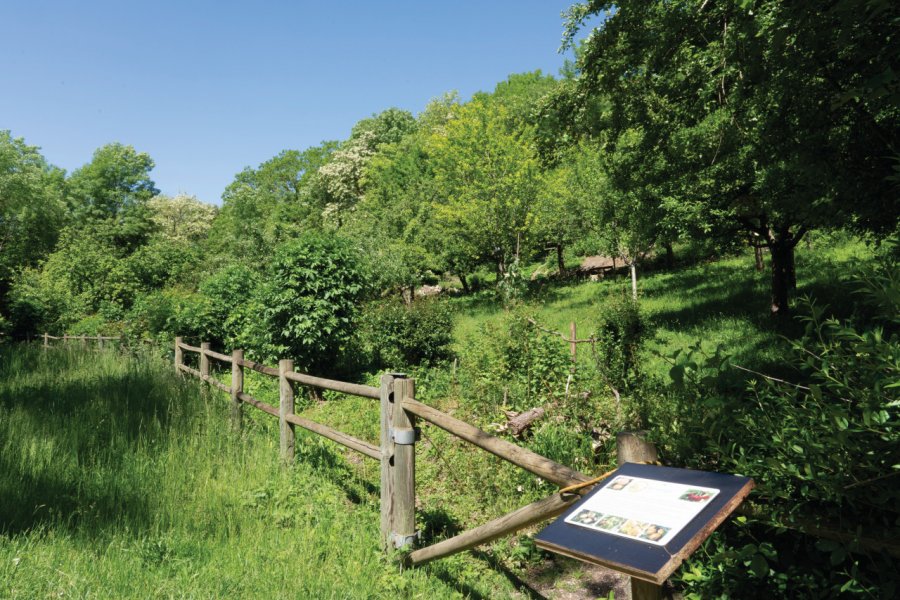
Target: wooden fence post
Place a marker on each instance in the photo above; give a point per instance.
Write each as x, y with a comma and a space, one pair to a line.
46, 341
574, 344
83, 341
403, 433
387, 454
285, 408
99, 341
179, 355
237, 387
632, 447
65, 339
204, 361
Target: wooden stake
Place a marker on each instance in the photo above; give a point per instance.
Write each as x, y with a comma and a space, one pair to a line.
204, 361
99, 341
237, 388
46, 341
179, 355
285, 408
574, 343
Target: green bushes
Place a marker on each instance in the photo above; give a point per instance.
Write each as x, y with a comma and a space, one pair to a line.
399, 335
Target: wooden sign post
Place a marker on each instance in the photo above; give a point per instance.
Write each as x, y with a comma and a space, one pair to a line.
645, 520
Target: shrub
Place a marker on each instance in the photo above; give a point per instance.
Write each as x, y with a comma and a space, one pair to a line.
619, 336
309, 302
398, 335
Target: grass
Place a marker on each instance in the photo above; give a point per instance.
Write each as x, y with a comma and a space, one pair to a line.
119, 480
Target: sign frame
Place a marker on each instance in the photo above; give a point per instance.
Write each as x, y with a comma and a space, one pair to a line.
643, 560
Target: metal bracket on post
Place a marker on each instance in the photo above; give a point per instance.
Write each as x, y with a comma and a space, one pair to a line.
404, 541
406, 437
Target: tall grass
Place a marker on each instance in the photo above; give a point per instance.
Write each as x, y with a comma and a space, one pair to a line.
119, 480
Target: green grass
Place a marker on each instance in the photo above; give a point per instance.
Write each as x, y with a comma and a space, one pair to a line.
118, 480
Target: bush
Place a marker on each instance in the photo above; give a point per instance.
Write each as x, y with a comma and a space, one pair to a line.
398, 335
619, 336
309, 303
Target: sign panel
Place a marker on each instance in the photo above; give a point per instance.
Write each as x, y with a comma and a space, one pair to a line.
644, 520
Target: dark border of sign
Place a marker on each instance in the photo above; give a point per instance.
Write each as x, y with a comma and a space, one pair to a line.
649, 562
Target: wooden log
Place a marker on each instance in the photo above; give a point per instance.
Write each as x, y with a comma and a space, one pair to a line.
266, 408
510, 523
355, 389
218, 356
190, 348
237, 388
632, 447
521, 422
46, 341
521, 457
334, 435
404, 466
287, 438
204, 361
179, 357
387, 453
189, 371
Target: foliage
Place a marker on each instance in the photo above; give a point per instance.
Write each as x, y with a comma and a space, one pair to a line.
181, 218
309, 302
619, 339
400, 335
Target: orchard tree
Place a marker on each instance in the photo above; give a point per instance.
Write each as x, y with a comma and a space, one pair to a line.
751, 113
487, 182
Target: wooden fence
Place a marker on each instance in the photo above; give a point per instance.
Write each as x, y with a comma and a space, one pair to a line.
396, 452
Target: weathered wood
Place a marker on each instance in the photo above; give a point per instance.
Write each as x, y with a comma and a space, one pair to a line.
510, 523
632, 447
521, 457
355, 389
260, 368
189, 348
334, 435
287, 437
204, 361
83, 341
266, 408
179, 357
46, 341
217, 355
521, 422
573, 345
387, 453
404, 466
190, 371
237, 388
645, 590
218, 384
99, 341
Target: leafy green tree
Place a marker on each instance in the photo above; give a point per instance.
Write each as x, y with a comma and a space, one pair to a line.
110, 194
264, 206
31, 209
749, 112
487, 181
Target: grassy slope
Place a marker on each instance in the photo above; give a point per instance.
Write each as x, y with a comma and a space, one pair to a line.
116, 480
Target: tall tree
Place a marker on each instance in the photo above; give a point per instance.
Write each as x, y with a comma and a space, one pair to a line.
750, 112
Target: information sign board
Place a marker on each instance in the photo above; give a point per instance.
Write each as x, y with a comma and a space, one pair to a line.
644, 520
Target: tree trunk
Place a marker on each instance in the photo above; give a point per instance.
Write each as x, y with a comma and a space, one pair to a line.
758, 255
670, 255
633, 267
782, 251
792, 268
560, 263
464, 282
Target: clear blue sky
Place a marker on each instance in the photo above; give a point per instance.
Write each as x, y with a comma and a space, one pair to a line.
208, 88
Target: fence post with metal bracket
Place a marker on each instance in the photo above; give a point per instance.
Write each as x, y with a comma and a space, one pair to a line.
398, 463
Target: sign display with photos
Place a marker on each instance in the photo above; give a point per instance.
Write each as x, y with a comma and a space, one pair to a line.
644, 520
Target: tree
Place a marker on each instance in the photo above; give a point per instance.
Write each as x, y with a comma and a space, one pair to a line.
110, 193
487, 181
31, 209
182, 218
751, 113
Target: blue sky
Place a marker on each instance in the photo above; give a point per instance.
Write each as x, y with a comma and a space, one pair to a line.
208, 88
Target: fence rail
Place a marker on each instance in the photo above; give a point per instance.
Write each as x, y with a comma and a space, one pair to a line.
396, 451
